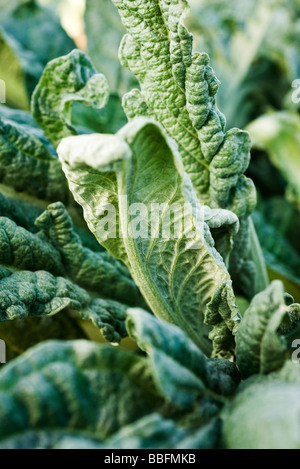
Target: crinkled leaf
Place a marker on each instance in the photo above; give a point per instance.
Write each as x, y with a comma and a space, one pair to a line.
178, 89
40, 294
262, 341
21, 249
109, 317
19, 116
180, 369
28, 164
150, 432
25, 120
66, 80
254, 47
25, 212
99, 271
178, 275
223, 226
72, 386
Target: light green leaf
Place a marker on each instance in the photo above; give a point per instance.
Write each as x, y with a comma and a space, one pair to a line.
103, 48
25, 47
278, 133
288, 373
178, 89
31, 24
263, 416
64, 387
68, 79
178, 274
262, 341
20, 71
254, 47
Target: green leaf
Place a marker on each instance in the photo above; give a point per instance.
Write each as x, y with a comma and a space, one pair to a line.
178, 89
39, 294
109, 317
25, 120
288, 373
254, 46
30, 24
64, 387
107, 120
152, 431
21, 334
263, 416
23, 250
278, 133
28, 163
20, 71
20, 211
262, 341
66, 80
181, 371
52, 439
178, 274
155, 432
103, 48
25, 47
280, 256
98, 272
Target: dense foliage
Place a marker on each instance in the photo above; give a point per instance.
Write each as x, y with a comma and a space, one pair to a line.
206, 318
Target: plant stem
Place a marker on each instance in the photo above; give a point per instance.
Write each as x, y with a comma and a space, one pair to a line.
262, 278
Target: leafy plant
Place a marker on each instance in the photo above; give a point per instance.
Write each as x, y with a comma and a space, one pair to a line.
142, 225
